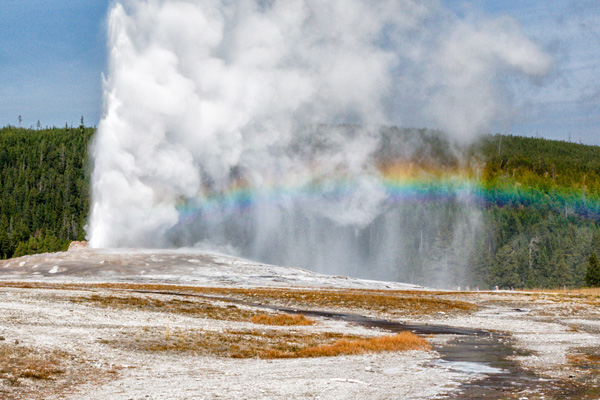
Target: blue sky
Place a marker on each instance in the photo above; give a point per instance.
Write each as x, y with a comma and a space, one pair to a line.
52, 55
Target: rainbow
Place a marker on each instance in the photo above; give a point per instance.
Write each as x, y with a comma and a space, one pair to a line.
401, 183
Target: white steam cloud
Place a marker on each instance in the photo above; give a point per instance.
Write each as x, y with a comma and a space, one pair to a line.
199, 89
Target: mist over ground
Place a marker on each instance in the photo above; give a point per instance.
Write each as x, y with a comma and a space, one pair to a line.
256, 128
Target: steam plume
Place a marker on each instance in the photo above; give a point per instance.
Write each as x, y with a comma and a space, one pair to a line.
205, 96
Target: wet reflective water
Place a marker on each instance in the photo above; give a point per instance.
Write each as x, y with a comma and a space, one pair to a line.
472, 351
489, 355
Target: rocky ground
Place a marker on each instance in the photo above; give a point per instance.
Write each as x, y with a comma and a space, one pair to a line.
180, 325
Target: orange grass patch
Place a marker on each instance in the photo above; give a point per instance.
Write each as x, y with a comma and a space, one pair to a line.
282, 320
403, 341
267, 344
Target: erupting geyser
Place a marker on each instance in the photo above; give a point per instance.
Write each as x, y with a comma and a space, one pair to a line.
255, 127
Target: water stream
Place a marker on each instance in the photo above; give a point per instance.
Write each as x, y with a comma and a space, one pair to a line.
473, 351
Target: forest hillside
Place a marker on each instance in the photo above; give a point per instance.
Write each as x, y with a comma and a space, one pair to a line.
538, 199
44, 188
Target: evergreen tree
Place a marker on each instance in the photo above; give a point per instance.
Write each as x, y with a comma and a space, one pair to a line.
44, 187
592, 276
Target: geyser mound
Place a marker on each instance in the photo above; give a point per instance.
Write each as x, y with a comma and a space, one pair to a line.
256, 127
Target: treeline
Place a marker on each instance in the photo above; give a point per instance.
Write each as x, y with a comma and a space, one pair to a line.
458, 243
541, 212
44, 188
546, 165
534, 221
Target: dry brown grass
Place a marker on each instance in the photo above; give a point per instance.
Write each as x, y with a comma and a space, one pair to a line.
588, 360
580, 291
588, 291
231, 343
395, 303
194, 306
380, 302
282, 320
266, 344
584, 359
400, 342
20, 362
585, 296
31, 373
